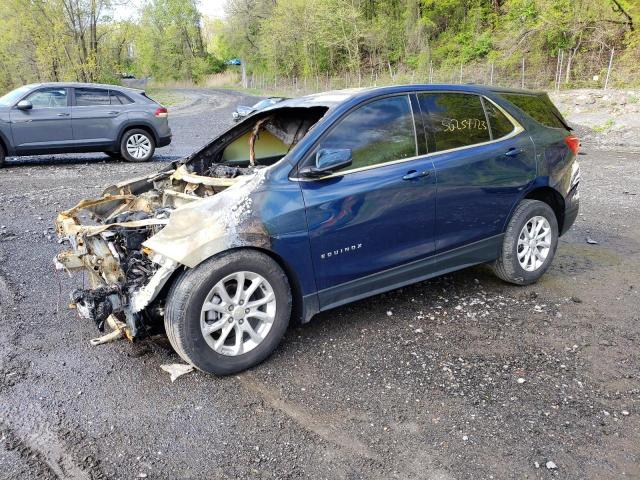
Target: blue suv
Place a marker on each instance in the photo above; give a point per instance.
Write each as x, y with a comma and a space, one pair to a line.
323, 200
47, 118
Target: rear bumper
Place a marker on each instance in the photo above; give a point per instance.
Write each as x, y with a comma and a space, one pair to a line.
572, 208
164, 141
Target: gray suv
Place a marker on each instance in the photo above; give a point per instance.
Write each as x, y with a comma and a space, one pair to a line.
76, 117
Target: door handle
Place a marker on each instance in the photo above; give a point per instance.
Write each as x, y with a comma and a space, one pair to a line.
413, 174
513, 152
63, 114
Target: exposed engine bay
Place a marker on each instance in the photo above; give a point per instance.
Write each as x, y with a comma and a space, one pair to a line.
141, 232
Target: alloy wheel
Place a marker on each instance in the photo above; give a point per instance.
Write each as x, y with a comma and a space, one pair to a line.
238, 313
534, 243
138, 146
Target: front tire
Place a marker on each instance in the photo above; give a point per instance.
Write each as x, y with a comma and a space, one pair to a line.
230, 312
137, 145
529, 244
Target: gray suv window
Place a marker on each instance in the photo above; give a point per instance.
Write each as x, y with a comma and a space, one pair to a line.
86, 97
378, 132
118, 98
48, 98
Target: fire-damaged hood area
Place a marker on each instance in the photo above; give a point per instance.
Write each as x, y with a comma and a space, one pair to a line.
139, 233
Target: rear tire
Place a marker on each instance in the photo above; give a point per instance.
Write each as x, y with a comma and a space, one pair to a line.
194, 307
137, 145
529, 244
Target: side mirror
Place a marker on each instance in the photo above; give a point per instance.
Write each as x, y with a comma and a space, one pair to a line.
328, 160
24, 105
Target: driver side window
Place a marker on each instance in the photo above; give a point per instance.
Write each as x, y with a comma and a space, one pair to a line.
377, 132
48, 98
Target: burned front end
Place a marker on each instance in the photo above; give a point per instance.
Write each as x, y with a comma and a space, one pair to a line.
131, 241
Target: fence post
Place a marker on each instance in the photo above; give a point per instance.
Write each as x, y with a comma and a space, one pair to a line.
491, 78
606, 82
430, 71
523, 72
555, 81
460, 73
560, 71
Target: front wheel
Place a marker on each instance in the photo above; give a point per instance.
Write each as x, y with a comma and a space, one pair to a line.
230, 312
529, 244
137, 145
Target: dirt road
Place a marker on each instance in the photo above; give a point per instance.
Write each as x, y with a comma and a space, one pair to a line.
461, 377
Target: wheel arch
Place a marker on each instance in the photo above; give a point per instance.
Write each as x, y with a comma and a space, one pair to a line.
552, 198
546, 194
138, 125
4, 145
297, 310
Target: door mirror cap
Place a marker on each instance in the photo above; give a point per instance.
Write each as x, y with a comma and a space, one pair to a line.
24, 105
328, 160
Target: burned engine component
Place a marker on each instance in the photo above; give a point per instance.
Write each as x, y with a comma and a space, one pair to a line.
97, 304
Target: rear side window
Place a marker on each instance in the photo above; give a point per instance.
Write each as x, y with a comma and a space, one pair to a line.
86, 97
538, 107
118, 98
378, 132
499, 124
456, 119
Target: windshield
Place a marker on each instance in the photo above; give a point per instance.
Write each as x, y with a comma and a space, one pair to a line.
13, 96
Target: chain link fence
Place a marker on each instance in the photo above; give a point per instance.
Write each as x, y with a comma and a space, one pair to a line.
594, 69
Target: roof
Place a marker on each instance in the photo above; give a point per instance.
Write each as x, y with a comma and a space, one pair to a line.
335, 97
82, 85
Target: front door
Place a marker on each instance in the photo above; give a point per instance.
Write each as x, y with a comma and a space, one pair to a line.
484, 164
376, 214
46, 125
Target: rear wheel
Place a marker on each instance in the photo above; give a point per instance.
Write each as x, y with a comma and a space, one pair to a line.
230, 312
137, 145
529, 243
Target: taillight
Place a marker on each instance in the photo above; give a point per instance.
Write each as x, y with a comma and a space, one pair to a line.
162, 112
573, 143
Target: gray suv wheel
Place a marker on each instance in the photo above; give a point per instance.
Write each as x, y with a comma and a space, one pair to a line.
137, 145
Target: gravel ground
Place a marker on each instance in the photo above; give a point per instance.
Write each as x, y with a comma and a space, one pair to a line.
461, 377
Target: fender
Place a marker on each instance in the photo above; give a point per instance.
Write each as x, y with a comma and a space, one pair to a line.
539, 182
137, 123
4, 141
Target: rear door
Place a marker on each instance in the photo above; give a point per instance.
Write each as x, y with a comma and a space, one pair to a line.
377, 213
96, 115
484, 161
46, 125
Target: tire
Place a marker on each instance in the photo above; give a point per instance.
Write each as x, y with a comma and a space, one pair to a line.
1, 157
114, 155
142, 138
184, 321
508, 266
